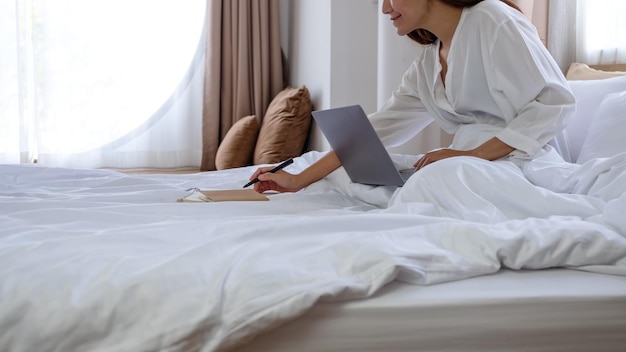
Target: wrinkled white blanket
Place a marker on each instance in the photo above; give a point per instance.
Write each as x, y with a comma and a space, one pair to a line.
95, 260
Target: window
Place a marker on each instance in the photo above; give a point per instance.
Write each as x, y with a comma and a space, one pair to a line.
83, 77
602, 31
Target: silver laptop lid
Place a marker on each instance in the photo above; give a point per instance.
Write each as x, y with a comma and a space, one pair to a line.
353, 138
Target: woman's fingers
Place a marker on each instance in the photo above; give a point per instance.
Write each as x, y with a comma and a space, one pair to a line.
280, 181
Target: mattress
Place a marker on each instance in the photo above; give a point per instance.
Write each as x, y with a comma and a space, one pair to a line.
545, 310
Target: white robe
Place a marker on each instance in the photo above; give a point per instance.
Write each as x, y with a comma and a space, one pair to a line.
501, 82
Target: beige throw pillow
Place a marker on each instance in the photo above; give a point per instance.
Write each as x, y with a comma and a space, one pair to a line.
582, 72
285, 127
237, 148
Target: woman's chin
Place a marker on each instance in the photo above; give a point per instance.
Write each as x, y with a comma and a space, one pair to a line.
401, 32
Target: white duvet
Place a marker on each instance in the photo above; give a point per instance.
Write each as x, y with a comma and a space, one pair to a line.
95, 260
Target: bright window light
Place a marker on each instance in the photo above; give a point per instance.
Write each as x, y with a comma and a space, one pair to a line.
101, 68
604, 29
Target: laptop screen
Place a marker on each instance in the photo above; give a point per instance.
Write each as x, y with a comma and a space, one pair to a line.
361, 152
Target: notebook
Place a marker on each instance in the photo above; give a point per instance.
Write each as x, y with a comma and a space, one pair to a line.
223, 195
362, 154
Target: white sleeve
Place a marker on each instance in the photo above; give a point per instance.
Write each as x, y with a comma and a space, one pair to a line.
403, 115
525, 74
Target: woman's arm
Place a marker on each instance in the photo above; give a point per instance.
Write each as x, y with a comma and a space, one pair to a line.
491, 150
403, 115
283, 181
525, 77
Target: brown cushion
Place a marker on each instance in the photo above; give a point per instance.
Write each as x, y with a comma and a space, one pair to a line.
285, 127
237, 148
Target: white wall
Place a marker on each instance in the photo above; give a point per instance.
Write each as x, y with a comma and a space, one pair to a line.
354, 48
332, 49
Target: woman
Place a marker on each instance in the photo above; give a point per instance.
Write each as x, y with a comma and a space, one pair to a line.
484, 76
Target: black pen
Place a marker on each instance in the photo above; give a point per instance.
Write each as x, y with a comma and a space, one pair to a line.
281, 166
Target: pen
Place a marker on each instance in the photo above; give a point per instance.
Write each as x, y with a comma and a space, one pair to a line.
279, 167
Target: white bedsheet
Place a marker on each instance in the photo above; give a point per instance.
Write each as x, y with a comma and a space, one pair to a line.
101, 261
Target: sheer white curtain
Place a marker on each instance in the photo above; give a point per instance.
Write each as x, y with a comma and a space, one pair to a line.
603, 37
113, 83
587, 31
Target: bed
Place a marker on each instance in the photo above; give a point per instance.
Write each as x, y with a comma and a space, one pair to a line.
101, 260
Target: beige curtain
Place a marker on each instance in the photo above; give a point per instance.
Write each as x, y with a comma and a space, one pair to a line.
244, 66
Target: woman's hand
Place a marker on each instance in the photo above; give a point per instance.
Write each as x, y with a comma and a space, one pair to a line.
279, 181
439, 154
282, 181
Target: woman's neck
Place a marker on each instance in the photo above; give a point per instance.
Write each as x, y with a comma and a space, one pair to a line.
443, 22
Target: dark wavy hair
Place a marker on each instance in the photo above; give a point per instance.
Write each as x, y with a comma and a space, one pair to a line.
425, 37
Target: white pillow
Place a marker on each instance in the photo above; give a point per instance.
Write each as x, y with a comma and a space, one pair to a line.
606, 137
589, 95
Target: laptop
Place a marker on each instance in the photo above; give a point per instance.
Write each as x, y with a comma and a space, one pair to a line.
362, 154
